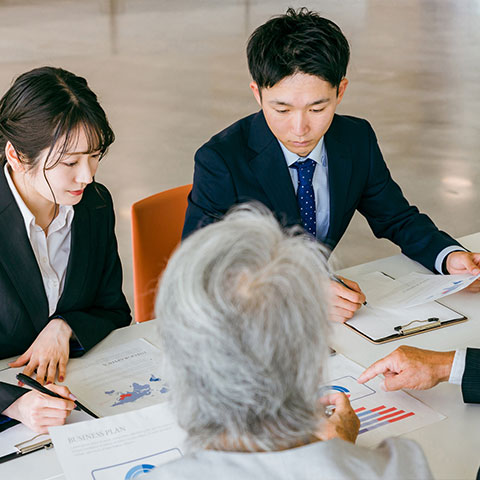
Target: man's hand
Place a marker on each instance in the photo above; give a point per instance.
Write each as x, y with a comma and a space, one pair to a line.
48, 352
465, 262
39, 411
343, 423
412, 368
344, 302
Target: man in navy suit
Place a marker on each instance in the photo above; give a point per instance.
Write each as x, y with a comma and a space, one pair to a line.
310, 166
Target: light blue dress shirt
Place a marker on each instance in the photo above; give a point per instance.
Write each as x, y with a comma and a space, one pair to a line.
319, 183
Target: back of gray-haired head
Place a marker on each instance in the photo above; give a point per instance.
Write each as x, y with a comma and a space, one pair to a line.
242, 312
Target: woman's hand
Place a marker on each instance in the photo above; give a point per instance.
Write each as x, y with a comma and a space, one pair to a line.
343, 423
48, 352
39, 411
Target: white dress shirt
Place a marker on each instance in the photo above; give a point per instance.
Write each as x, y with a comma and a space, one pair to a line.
458, 366
322, 193
51, 251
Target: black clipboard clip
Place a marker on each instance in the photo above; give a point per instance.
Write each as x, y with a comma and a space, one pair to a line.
28, 446
432, 322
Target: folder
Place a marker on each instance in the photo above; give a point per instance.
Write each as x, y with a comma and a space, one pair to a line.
380, 325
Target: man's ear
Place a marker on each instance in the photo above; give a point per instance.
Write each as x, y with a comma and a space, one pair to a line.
341, 89
256, 93
13, 159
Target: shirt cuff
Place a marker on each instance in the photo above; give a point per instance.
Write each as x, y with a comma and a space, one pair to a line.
458, 367
443, 255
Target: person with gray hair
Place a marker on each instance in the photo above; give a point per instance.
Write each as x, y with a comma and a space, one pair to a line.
242, 313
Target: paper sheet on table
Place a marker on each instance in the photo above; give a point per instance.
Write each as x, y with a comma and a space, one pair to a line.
123, 378
379, 323
382, 414
413, 289
127, 445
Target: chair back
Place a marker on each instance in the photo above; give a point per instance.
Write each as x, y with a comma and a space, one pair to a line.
157, 223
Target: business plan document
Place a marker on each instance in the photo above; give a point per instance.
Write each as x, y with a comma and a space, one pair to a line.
127, 445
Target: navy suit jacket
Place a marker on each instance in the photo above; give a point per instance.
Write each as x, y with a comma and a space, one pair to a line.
471, 376
92, 302
244, 162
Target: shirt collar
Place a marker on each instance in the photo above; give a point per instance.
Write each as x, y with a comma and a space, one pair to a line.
65, 212
318, 154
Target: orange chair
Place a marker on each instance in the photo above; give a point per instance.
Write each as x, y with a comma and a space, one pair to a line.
157, 224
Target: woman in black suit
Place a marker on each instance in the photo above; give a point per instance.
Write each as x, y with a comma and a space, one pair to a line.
60, 274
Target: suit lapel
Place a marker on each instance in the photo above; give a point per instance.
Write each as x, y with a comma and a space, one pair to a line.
339, 176
18, 259
269, 167
81, 244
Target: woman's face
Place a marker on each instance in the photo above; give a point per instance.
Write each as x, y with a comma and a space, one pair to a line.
68, 178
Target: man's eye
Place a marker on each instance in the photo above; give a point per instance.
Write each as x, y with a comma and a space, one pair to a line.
317, 110
281, 111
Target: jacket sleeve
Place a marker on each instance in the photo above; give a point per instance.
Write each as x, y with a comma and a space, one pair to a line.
213, 191
109, 309
471, 376
8, 394
391, 216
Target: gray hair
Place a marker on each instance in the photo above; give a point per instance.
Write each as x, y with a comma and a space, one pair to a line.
242, 313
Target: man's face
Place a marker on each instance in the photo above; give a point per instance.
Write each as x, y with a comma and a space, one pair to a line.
299, 109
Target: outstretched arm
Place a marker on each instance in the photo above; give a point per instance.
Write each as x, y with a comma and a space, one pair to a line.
411, 368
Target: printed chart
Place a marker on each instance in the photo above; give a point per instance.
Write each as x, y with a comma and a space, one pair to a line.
124, 378
379, 417
382, 414
136, 469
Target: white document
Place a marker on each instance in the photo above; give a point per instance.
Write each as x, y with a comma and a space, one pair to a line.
379, 323
123, 378
123, 446
412, 289
382, 414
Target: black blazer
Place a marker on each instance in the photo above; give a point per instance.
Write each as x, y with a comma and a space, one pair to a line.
471, 376
92, 302
245, 162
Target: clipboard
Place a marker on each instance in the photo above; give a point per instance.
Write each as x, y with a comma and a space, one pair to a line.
28, 446
380, 326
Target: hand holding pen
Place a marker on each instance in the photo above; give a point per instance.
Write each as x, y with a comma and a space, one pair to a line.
30, 382
39, 411
347, 298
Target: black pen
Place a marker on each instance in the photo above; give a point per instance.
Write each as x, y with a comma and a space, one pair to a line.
32, 383
341, 282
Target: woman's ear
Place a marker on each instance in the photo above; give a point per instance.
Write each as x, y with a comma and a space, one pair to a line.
13, 158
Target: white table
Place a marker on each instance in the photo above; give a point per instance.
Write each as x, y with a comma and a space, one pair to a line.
452, 446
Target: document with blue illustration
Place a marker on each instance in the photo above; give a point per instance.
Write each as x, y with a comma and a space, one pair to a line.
124, 446
123, 378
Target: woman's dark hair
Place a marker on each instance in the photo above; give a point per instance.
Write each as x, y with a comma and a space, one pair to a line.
299, 41
47, 105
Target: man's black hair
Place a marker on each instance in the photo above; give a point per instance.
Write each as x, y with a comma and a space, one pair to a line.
301, 41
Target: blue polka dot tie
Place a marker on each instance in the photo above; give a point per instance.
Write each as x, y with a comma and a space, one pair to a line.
306, 195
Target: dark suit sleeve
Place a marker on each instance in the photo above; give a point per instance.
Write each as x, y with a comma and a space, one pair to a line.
391, 216
109, 309
9, 393
471, 376
213, 191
